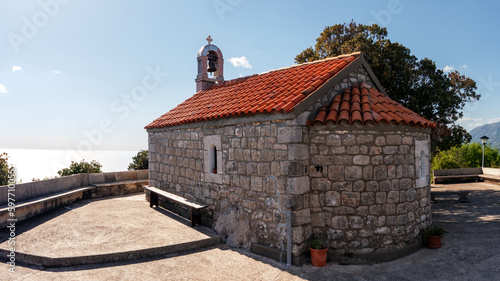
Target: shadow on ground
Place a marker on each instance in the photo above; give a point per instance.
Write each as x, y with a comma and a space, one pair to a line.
27, 225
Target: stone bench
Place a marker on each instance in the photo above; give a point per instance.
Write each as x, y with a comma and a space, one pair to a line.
194, 206
456, 179
457, 175
32, 207
461, 194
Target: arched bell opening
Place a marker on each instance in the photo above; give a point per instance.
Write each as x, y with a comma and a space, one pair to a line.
210, 66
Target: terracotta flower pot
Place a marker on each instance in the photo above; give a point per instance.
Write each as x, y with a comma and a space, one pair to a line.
318, 257
434, 242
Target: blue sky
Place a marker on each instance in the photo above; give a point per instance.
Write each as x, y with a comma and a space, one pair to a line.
90, 74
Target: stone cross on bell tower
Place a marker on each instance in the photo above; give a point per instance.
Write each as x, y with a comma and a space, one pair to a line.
210, 66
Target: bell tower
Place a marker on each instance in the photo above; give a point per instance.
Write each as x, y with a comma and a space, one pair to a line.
210, 66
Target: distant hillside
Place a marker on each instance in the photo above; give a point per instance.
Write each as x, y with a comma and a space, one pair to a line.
492, 131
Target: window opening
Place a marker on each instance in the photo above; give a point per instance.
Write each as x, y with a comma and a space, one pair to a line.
214, 170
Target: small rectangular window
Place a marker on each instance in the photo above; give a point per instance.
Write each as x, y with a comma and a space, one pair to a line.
213, 165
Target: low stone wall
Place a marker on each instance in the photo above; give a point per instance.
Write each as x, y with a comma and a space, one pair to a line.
97, 178
491, 171
116, 188
25, 191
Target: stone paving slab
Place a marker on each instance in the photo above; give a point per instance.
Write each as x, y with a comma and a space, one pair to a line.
103, 226
470, 252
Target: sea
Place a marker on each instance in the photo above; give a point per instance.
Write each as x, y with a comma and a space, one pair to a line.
39, 164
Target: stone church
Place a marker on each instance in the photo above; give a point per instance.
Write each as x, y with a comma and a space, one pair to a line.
321, 138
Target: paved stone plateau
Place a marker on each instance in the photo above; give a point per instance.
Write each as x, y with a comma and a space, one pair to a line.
469, 252
96, 231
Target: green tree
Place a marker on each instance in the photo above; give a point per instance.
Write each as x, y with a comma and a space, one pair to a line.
81, 167
417, 84
140, 161
466, 156
6, 170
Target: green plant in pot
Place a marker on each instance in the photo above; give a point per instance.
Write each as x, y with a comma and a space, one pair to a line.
319, 250
433, 236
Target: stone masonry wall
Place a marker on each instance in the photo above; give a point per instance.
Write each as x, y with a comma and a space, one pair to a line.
263, 169
364, 196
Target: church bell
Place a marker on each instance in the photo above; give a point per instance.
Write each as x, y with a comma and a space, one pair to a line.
212, 59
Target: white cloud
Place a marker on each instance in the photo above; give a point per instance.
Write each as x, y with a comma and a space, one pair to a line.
494, 120
471, 120
240, 62
3, 89
16, 68
471, 123
448, 68
463, 66
56, 71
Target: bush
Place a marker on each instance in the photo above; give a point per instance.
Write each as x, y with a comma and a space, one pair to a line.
466, 156
140, 161
6, 170
82, 167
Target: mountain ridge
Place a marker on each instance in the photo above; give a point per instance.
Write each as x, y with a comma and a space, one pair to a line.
492, 131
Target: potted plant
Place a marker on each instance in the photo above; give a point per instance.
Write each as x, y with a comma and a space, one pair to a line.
433, 236
319, 250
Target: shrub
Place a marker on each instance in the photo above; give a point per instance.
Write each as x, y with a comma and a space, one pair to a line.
140, 161
6, 170
81, 167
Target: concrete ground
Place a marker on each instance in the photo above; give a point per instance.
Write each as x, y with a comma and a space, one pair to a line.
470, 251
92, 227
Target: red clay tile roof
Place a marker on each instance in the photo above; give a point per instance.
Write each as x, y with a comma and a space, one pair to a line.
362, 104
274, 91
